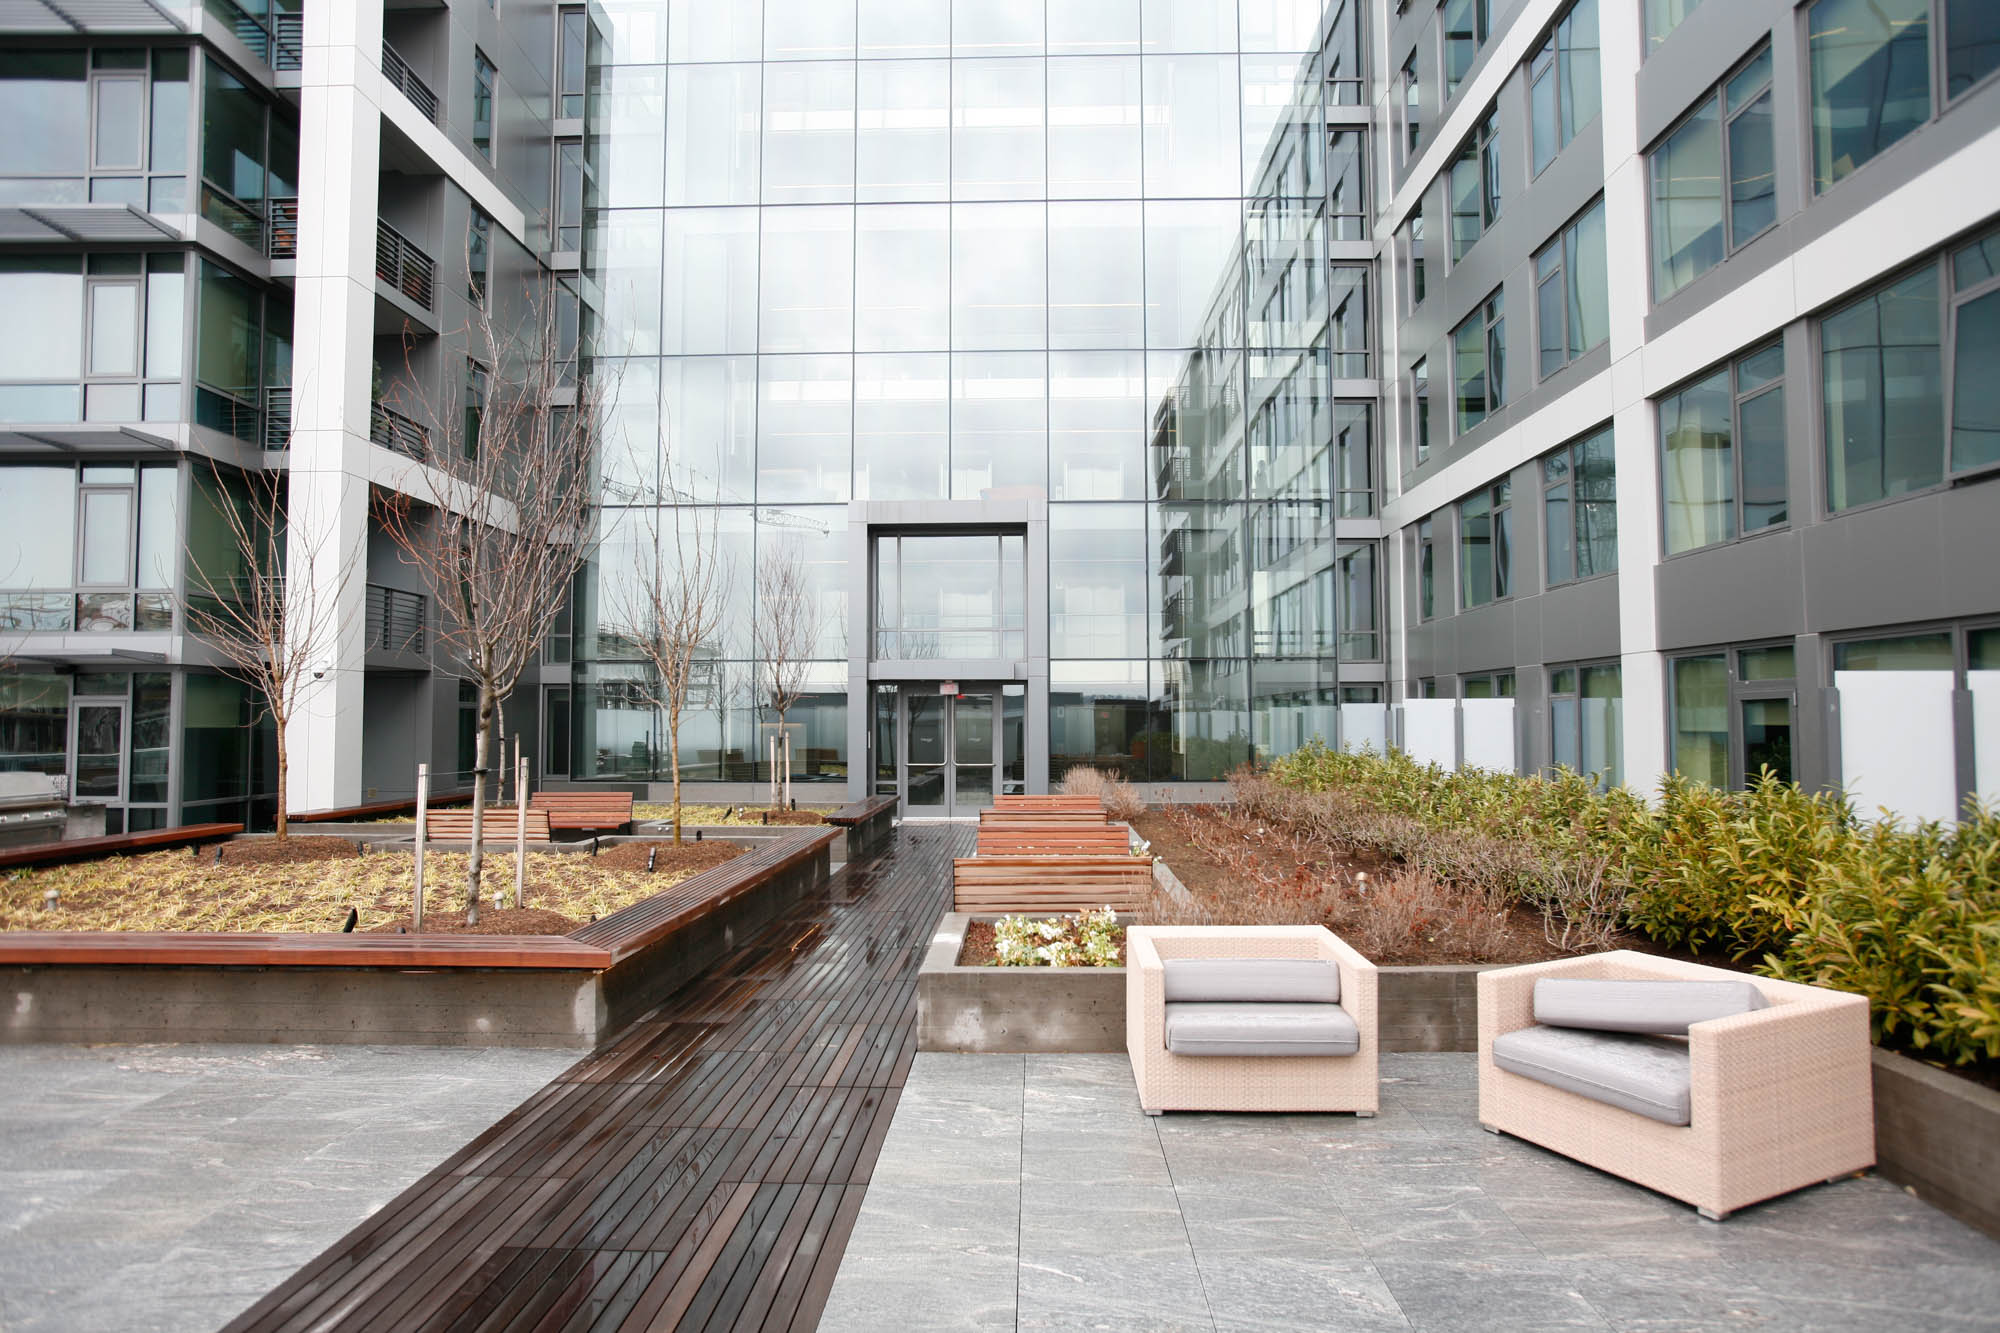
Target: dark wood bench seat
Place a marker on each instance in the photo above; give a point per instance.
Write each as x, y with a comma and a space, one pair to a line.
116, 844
354, 814
859, 812
585, 811
318, 949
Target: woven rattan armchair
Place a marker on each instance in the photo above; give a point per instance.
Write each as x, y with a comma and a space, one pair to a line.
1780, 1098
1170, 1082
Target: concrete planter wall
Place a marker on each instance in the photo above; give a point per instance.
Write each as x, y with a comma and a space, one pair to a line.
1940, 1135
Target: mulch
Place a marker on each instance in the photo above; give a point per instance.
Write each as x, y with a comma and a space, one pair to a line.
273, 852
492, 921
665, 857
981, 947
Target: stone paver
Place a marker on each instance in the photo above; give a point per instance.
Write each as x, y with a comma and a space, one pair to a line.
1031, 1192
168, 1187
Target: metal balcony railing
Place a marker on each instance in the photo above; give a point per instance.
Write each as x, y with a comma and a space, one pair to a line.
401, 264
397, 621
288, 41
400, 76
392, 430
278, 417
281, 228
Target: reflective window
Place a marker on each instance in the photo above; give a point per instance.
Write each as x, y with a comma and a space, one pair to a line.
1714, 179
1191, 250
1563, 84
712, 133
1420, 409
1204, 708
1359, 625
1486, 545
1096, 278
805, 414
1479, 364
806, 280
1189, 25
998, 136
44, 100
902, 278
1882, 375
623, 249
1971, 44
1413, 109
999, 276
1100, 716
940, 596
1427, 570
1413, 250
1098, 574
1354, 459
711, 280
999, 421
902, 427
714, 30
45, 339
1580, 508
1473, 184
711, 420
1975, 336
1097, 426
628, 123
903, 130
1572, 296
997, 27
1466, 26
808, 30
1663, 16
573, 49
1870, 66
808, 132
570, 193
37, 530
1586, 721
905, 28
1190, 112
1093, 137
1722, 443
483, 75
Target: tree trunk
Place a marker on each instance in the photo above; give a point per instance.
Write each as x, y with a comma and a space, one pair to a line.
783, 772
475, 862
674, 761
284, 768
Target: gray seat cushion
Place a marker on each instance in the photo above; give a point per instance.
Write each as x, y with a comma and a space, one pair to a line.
1665, 1008
1261, 1029
1646, 1075
1262, 980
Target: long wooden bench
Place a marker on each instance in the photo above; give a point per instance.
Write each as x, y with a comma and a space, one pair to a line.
353, 814
116, 844
1085, 817
456, 825
1025, 838
1049, 801
585, 811
1051, 883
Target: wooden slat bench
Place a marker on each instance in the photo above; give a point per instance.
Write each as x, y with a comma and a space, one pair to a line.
1051, 883
585, 811
1049, 801
456, 825
354, 814
1086, 817
117, 844
1026, 838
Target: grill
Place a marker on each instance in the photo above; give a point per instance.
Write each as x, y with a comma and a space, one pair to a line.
32, 809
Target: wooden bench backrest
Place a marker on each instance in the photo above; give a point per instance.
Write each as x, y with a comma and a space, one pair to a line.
1001, 839
1048, 802
456, 825
1051, 883
582, 800
1042, 816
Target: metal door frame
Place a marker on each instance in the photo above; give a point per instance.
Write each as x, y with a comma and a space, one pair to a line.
124, 707
908, 690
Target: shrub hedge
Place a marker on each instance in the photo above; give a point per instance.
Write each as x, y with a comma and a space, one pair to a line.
1906, 915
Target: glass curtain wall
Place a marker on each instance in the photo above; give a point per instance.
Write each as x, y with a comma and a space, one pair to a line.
926, 251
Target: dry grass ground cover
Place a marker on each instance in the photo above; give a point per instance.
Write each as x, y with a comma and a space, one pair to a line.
311, 885
714, 816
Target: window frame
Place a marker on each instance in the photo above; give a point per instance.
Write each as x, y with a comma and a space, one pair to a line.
1481, 148
1716, 98
1426, 568
1491, 316
1416, 273
1498, 495
1482, 32
1738, 397
1572, 450
1420, 410
1556, 55
1410, 141
1564, 245
486, 87
1575, 694
559, 93
1737, 691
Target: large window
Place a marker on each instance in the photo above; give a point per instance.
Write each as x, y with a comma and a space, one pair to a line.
1714, 179
1586, 721
95, 338
1871, 80
1413, 108
1413, 249
1426, 570
1572, 292
1732, 715
958, 596
482, 103
1486, 545
1420, 408
1722, 452
1355, 610
1663, 16
1580, 508
108, 126
571, 63
1479, 364
1564, 86
80, 548
1354, 459
1474, 185
1466, 25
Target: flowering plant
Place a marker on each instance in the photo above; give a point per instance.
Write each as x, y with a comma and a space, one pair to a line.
1087, 939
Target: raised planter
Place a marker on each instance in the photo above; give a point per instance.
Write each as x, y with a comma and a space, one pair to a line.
1939, 1135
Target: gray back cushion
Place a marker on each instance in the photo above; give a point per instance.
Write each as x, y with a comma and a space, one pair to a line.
1266, 980
1665, 1008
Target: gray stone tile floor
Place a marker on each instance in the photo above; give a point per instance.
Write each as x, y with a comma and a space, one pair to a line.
1031, 1192
168, 1187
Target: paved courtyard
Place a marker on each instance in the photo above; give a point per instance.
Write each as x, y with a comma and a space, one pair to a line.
1031, 1191
168, 1187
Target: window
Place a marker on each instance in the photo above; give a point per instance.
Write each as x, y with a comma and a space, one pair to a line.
1871, 80
1413, 248
1971, 44
1903, 362
1722, 452
1580, 508
1586, 721
482, 104
1572, 296
1714, 179
569, 195
91, 127
571, 63
1426, 571
1496, 685
1728, 726
1354, 459
1413, 108
1485, 545
1479, 364
477, 237
1563, 83
475, 405
1355, 613
1475, 186
1662, 17
1466, 23
1420, 407
1346, 200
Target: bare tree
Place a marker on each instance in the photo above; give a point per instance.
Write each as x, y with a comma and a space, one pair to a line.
271, 631
672, 609
787, 636
499, 513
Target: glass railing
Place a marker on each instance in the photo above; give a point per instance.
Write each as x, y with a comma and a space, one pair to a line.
85, 611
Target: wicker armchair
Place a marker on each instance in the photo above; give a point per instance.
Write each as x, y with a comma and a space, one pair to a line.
1170, 1082
1780, 1097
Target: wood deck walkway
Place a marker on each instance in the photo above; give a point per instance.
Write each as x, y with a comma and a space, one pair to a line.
701, 1171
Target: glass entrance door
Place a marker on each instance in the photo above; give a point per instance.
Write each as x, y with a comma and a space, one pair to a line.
952, 749
97, 770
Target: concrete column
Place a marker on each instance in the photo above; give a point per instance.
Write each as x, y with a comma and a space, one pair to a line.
333, 357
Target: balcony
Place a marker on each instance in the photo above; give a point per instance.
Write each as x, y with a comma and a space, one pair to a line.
404, 79
281, 228
405, 268
396, 621
278, 417
392, 430
276, 39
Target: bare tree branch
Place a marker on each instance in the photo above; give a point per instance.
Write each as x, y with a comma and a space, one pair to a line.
269, 629
787, 636
503, 513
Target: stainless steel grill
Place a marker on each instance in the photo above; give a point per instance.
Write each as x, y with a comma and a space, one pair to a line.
32, 809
